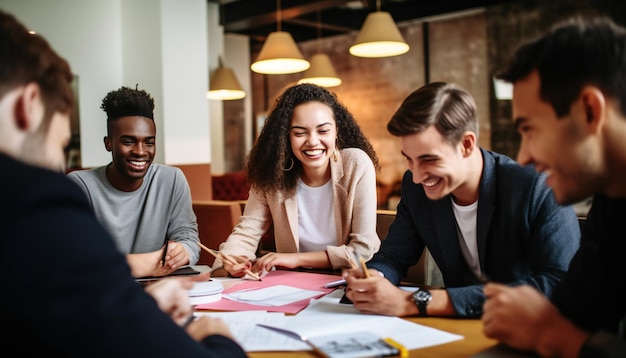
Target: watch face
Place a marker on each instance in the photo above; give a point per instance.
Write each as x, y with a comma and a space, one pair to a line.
422, 296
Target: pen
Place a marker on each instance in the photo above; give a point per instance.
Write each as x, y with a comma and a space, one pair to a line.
483, 279
335, 283
190, 319
223, 256
164, 252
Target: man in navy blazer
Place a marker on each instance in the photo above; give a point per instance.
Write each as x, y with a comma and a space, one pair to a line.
67, 290
481, 215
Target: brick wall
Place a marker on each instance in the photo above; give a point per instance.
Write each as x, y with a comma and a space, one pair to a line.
373, 89
467, 50
510, 24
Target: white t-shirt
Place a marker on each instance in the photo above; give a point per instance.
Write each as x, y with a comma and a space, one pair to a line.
316, 217
466, 229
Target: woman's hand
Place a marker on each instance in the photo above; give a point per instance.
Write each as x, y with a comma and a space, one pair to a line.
240, 268
274, 259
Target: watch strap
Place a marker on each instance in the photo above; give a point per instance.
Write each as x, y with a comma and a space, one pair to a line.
421, 306
420, 302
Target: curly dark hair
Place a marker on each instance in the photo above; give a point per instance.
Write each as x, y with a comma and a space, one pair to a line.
272, 150
125, 102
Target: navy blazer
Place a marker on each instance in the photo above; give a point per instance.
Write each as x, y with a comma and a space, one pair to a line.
523, 234
67, 290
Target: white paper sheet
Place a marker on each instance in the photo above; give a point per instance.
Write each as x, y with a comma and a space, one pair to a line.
322, 317
278, 295
243, 326
327, 316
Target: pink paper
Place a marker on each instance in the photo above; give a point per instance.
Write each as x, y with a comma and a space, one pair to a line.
303, 280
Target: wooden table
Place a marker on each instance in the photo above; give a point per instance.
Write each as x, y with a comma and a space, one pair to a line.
471, 329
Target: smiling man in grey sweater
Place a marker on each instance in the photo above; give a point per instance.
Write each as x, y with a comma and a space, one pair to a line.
143, 205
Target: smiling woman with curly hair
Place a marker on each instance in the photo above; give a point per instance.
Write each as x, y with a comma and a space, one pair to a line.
313, 175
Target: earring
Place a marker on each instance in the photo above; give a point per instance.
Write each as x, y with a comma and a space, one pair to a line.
291, 166
335, 155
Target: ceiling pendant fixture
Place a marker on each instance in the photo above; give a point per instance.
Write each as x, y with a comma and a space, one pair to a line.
321, 71
224, 85
279, 54
379, 37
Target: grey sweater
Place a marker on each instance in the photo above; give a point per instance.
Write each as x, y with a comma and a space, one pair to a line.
139, 221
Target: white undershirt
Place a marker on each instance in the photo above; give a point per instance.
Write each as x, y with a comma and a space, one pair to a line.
466, 229
316, 217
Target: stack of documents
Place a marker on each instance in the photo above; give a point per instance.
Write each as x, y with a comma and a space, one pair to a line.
278, 295
255, 312
323, 317
205, 292
326, 316
279, 291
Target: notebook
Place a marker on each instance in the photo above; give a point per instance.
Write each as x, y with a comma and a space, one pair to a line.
205, 292
183, 271
347, 345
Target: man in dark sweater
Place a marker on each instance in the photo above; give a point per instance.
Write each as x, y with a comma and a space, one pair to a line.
569, 105
62, 297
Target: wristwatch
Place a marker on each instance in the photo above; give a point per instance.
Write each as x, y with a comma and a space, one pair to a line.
421, 297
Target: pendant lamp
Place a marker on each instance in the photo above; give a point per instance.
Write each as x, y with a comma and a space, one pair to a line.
224, 85
379, 37
321, 71
279, 54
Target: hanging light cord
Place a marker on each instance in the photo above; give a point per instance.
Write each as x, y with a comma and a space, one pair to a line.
278, 19
319, 32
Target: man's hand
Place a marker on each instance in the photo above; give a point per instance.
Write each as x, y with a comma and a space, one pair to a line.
377, 295
171, 297
149, 264
206, 326
175, 257
523, 318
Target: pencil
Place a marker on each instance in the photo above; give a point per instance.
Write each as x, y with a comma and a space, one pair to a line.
164, 252
484, 279
359, 262
364, 267
230, 260
190, 319
353, 265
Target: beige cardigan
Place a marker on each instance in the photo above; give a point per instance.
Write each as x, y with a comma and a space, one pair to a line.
354, 192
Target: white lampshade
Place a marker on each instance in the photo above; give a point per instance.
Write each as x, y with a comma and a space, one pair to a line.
224, 85
279, 55
321, 72
379, 37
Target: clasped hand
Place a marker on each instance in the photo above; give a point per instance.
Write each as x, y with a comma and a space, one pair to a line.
523, 318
